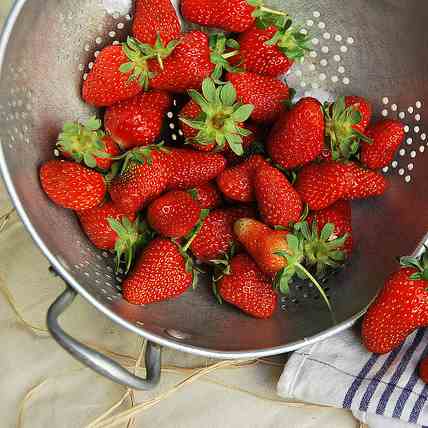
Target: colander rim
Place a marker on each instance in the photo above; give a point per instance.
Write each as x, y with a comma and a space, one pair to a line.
68, 278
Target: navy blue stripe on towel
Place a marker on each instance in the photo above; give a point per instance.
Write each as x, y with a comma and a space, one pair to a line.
350, 394
404, 396
408, 389
398, 373
371, 389
417, 408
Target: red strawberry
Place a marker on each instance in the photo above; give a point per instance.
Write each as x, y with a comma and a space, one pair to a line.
365, 109
423, 369
262, 243
141, 180
190, 168
207, 196
363, 183
139, 120
153, 18
160, 274
237, 183
191, 110
338, 214
400, 308
187, 66
215, 239
247, 288
108, 228
386, 137
174, 214
266, 94
279, 204
237, 212
346, 123
111, 150
88, 144
96, 226
233, 16
214, 118
119, 72
271, 51
298, 136
71, 185
321, 185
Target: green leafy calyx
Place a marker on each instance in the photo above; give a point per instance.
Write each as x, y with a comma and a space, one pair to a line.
418, 263
264, 15
158, 50
323, 249
294, 266
137, 67
130, 237
222, 49
83, 141
221, 118
141, 155
222, 268
290, 40
189, 263
341, 130
293, 257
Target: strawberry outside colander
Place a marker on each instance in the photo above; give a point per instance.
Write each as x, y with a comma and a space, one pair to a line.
372, 48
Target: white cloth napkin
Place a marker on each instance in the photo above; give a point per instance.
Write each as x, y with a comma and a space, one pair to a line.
382, 391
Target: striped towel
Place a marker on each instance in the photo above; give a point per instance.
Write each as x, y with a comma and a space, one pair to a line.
340, 372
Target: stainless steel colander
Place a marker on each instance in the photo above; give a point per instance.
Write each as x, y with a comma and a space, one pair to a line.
374, 48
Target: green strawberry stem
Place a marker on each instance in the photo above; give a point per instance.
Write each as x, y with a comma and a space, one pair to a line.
316, 283
196, 229
193, 193
219, 45
216, 293
189, 265
159, 50
305, 213
272, 11
230, 54
265, 14
221, 269
113, 173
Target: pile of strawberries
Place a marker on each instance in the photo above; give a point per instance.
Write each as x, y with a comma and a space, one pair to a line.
259, 194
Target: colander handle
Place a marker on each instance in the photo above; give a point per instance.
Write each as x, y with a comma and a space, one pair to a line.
99, 362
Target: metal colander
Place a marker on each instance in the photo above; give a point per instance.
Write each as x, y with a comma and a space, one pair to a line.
375, 49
